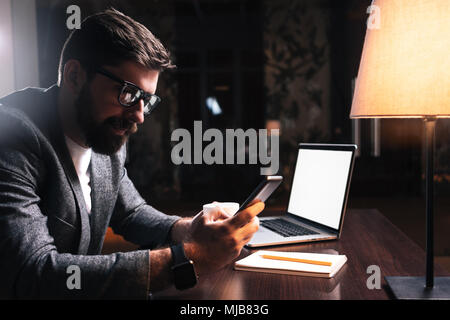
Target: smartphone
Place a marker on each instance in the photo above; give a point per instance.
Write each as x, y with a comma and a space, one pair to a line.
263, 190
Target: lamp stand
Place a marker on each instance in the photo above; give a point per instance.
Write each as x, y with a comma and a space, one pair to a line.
428, 287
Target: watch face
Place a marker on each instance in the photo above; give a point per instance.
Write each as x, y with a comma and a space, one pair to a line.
184, 276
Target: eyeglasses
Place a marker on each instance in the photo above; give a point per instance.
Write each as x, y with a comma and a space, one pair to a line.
130, 94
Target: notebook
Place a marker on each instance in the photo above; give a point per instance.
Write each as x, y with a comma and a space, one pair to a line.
318, 198
255, 262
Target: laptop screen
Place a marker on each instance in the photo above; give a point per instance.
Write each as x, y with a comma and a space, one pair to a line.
319, 185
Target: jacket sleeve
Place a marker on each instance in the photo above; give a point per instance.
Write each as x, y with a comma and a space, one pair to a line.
30, 264
137, 221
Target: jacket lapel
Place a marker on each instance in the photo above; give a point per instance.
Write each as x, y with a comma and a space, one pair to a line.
69, 169
102, 203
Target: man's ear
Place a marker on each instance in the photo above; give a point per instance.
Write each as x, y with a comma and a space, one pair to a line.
74, 76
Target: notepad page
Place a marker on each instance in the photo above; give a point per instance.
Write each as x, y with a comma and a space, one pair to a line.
256, 261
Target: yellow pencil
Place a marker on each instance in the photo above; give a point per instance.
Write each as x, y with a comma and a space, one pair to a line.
321, 263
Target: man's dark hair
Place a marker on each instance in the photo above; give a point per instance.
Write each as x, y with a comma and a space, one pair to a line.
110, 38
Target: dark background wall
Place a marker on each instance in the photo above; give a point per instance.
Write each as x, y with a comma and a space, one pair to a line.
292, 61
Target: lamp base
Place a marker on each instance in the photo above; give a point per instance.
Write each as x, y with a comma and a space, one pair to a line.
413, 288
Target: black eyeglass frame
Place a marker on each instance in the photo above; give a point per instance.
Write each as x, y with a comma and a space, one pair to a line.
143, 95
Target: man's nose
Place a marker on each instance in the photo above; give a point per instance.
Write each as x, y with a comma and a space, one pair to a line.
137, 112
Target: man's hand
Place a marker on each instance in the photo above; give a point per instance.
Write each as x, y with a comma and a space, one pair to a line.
212, 241
215, 240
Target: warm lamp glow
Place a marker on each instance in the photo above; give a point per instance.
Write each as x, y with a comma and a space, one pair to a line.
405, 73
405, 63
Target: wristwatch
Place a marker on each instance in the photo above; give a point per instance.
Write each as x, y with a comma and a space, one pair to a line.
183, 269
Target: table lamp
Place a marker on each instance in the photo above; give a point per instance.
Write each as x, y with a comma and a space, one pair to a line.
405, 73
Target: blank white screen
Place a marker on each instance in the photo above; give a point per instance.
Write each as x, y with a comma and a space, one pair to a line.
319, 184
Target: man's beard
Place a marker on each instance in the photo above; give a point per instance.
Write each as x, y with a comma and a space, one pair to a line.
100, 136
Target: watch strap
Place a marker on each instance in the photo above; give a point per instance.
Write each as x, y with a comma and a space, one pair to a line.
178, 254
183, 268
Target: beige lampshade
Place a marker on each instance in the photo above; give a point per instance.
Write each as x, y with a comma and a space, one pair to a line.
405, 63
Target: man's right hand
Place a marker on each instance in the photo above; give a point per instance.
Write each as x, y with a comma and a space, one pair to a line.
216, 240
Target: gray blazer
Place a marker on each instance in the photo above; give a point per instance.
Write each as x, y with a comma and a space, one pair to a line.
44, 224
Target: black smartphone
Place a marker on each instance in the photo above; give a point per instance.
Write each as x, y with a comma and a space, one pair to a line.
263, 190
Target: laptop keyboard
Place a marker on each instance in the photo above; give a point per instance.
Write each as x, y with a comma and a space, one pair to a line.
286, 228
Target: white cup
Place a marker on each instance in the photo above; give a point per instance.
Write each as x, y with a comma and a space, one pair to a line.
229, 207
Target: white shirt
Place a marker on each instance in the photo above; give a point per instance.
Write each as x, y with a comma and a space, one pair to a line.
81, 158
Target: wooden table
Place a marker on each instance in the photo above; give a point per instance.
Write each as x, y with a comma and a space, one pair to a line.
368, 238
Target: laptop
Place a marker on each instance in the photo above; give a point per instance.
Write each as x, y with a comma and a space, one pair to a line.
318, 197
